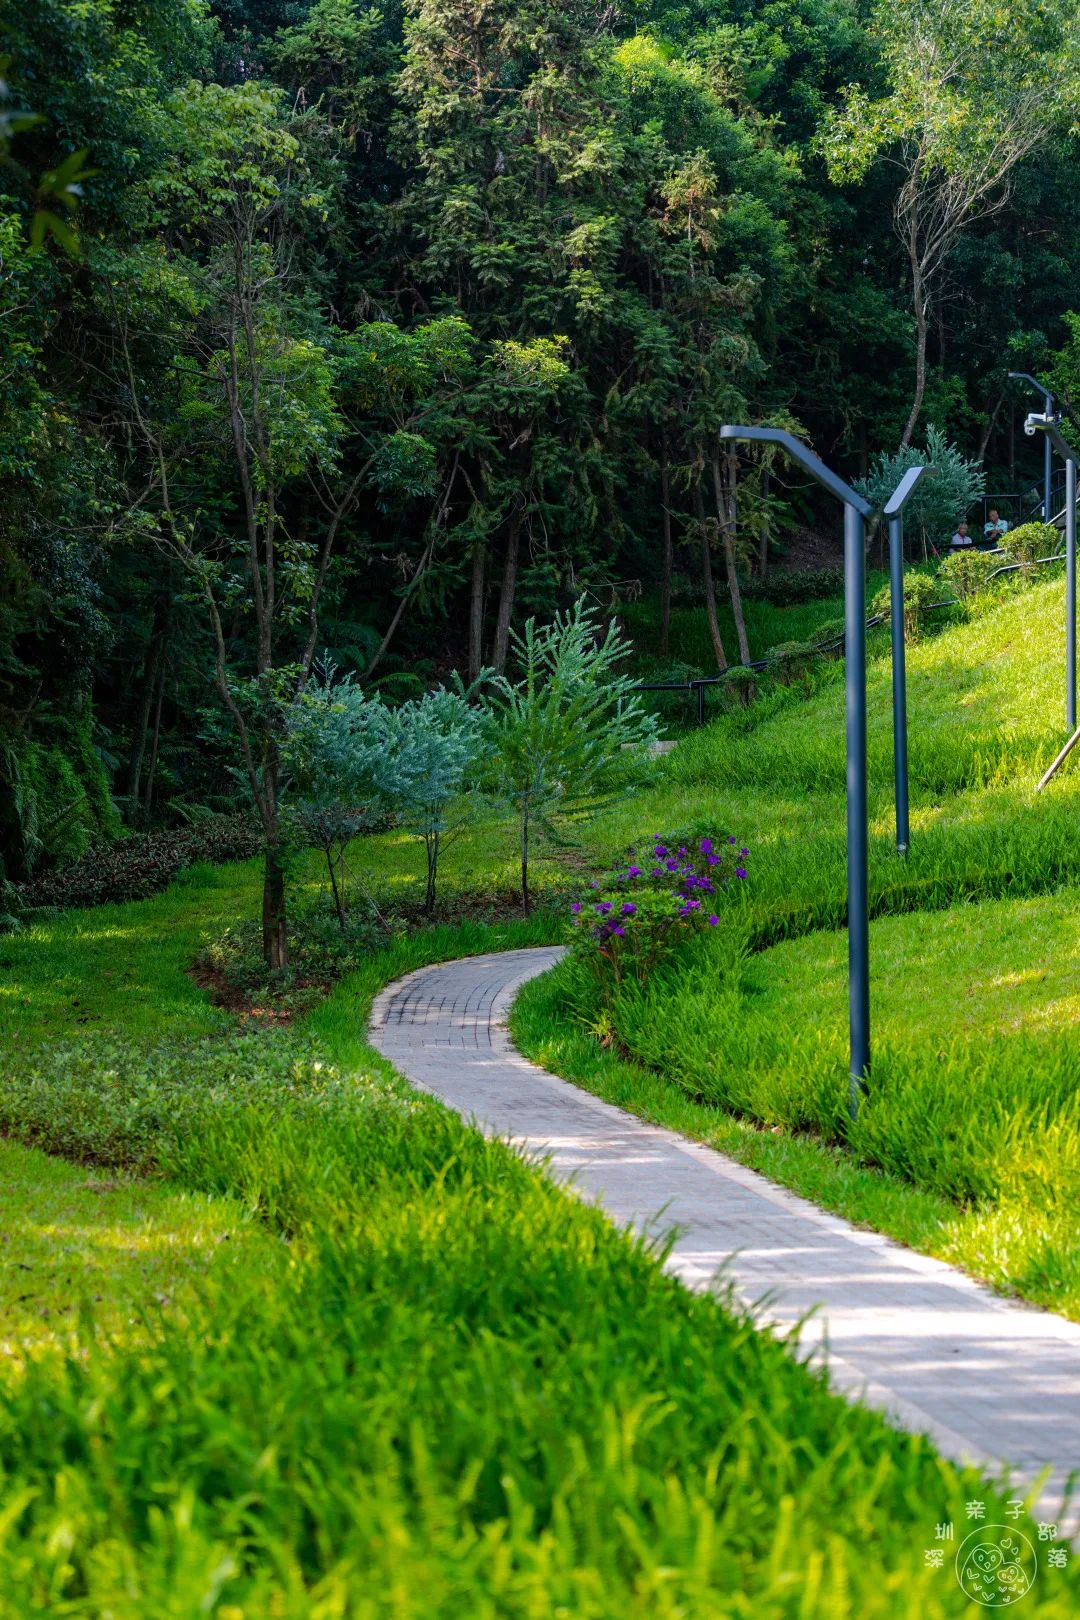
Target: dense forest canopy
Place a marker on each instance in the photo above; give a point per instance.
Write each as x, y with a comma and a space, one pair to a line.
365, 331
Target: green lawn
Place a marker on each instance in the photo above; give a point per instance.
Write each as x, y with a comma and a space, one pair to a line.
128, 1251
394, 1411
376, 1398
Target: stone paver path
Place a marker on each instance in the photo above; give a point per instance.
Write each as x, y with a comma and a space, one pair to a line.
989, 1380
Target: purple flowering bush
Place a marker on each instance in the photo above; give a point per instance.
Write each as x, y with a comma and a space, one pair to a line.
663, 893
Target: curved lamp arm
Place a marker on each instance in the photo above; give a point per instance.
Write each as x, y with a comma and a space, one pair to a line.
804, 456
904, 489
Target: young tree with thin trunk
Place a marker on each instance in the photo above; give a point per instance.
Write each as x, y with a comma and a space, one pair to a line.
274, 413
973, 88
568, 728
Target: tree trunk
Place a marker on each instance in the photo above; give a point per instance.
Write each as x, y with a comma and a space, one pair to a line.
921, 324
432, 845
155, 653
525, 859
506, 595
669, 553
148, 798
707, 578
275, 936
476, 611
991, 423
727, 516
339, 905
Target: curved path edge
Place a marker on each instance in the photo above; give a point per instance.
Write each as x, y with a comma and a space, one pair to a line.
991, 1381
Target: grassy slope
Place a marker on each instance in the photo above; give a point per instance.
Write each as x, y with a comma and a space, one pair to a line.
978, 1000
443, 1435
396, 1413
72, 1240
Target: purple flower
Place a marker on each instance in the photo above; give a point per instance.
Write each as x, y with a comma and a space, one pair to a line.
672, 865
706, 846
660, 851
603, 908
576, 907
629, 908
713, 920
744, 852
713, 859
658, 871
620, 931
740, 871
681, 850
633, 871
732, 839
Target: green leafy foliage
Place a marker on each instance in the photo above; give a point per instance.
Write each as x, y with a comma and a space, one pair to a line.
438, 745
134, 867
968, 572
921, 592
940, 499
1030, 542
569, 728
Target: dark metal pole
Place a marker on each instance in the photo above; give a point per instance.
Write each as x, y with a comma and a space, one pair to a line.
1070, 594
899, 679
1048, 468
1050, 425
858, 871
700, 705
856, 511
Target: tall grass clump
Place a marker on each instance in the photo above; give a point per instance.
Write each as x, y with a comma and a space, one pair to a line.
402, 1415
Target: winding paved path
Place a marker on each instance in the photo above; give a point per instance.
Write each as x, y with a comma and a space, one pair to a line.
989, 1380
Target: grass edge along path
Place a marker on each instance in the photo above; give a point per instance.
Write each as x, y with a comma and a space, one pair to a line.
474, 1451
544, 1030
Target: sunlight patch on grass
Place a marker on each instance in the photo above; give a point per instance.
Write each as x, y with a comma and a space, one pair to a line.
87, 1255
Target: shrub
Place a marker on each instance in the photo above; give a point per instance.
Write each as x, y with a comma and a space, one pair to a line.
967, 572
651, 903
742, 684
793, 660
1030, 542
920, 590
792, 589
138, 866
570, 728
826, 634
935, 502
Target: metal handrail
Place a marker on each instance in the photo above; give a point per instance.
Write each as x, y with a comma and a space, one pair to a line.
698, 683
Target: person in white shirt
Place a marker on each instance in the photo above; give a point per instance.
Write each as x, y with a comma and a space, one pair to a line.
996, 528
961, 537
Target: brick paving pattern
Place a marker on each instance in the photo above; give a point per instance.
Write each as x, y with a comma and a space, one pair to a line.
990, 1380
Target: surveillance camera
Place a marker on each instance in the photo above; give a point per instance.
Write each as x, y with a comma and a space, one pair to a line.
1030, 428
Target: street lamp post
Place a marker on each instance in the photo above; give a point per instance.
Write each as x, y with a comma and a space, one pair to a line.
1048, 424
894, 513
1048, 464
856, 511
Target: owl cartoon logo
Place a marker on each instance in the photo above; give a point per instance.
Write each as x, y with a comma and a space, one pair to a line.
996, 1566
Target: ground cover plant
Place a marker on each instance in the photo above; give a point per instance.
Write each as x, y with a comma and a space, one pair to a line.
399, 1241
386, 1404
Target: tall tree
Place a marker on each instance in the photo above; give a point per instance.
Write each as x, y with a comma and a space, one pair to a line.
972, 88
